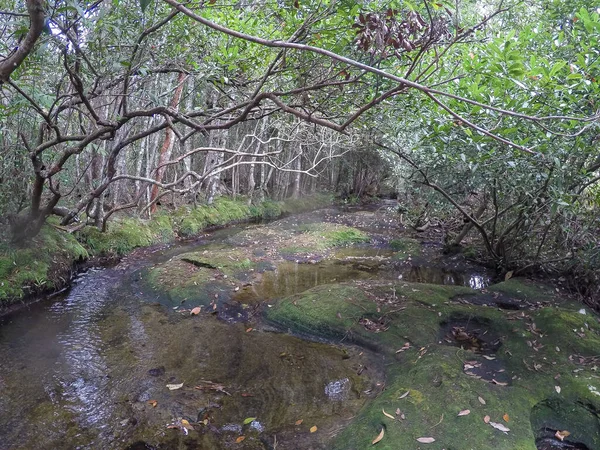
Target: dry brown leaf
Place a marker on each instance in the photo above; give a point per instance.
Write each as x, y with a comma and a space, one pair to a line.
153, 403
561, 435
499, 383
313, 429
405, 394
299, 422
240, 439
426, 440
508, 275
248, 330
486, 419
464, 412
196, 310
482, 401
499, 426
185, 424
398, 412
506, 418
379, 437
387, 415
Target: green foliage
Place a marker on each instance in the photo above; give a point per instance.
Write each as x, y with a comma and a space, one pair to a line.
42, 264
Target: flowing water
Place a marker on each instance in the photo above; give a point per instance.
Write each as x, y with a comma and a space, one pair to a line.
91, 369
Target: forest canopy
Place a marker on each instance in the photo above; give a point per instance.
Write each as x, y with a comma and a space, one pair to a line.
484, 113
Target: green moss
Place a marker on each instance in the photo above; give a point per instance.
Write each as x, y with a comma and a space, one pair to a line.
44, 263
523, 289
406, 245
534, 356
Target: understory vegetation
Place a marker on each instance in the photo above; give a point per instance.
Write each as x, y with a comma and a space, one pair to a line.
45, 263
480, 117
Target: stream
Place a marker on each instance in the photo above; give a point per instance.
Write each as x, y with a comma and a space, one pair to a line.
91, 369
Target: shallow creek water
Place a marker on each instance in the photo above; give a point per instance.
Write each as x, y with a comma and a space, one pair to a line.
91, 369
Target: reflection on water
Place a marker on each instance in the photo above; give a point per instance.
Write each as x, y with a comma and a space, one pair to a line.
436, 275
80, 373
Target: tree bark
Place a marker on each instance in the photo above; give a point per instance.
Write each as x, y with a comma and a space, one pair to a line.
37, 17
167, 147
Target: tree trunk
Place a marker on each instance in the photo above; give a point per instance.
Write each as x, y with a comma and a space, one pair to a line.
167, 147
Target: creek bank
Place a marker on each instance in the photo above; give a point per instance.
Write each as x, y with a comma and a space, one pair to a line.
47, 263
275, 329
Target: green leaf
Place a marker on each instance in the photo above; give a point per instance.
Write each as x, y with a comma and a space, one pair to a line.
249, 420
144, 4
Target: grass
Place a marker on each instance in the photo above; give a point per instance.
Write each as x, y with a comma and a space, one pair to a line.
35, 266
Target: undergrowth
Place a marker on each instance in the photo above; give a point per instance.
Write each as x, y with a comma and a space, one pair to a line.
44, 263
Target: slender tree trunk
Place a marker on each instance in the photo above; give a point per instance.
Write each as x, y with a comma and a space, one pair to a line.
167, 147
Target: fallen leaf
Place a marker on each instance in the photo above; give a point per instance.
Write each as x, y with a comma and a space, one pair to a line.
499, 383
561, 435
482, 401
405, 394
398, 412
505, 417
508, 275
196, 310
172, 387
249, 420
186, 424
486, 419
246, 394
153, 403
426, 440
499, 426
464, 412
248, 330
387, 415
557, 388
313, 429
489, 358
299, 422
240, 439
379, 437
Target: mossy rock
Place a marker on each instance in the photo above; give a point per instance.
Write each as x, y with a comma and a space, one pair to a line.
318, 238
523, 289
538, 350
200, 278
405, 248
